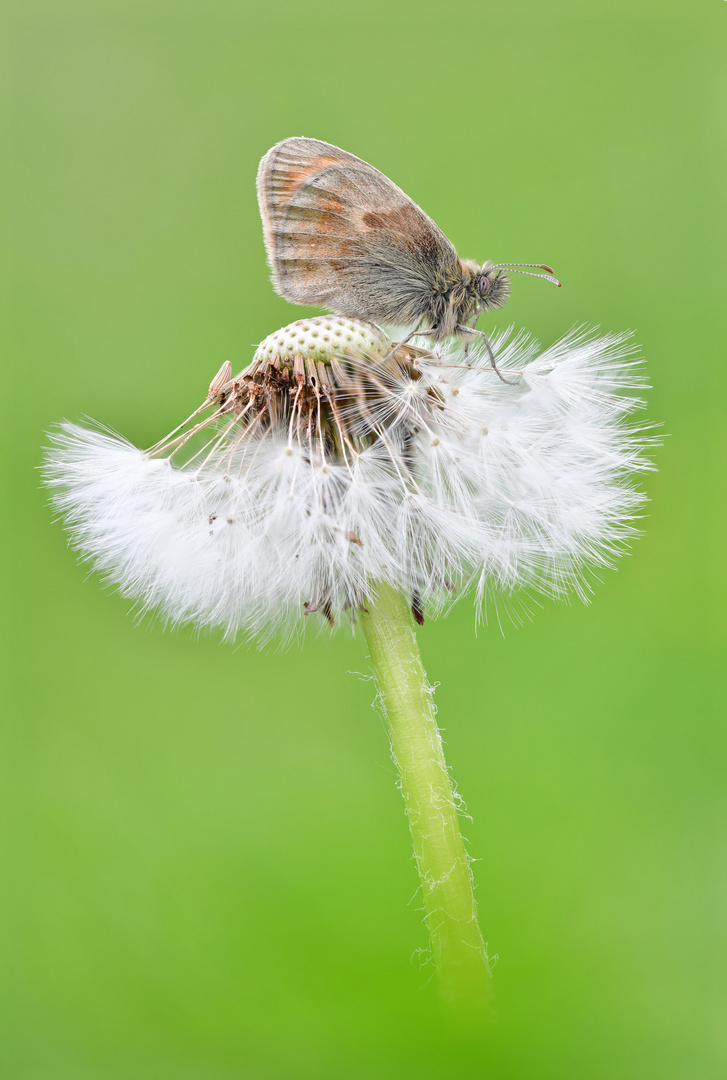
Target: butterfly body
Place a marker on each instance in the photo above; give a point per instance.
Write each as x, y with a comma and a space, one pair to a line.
340, 234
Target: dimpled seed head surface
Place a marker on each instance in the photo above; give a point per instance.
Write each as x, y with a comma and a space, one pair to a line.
324, 337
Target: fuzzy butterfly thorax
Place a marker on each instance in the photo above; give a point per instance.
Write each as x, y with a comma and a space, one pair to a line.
457, 298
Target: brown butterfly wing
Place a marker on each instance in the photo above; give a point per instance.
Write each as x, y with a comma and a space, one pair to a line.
340, 234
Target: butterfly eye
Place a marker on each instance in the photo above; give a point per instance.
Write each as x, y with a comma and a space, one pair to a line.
483, 285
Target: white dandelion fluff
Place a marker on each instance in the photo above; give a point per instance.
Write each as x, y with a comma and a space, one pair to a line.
337, 462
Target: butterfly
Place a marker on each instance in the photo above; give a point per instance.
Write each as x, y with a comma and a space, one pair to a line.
341, 235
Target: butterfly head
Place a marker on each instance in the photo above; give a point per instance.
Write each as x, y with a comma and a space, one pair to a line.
492, 286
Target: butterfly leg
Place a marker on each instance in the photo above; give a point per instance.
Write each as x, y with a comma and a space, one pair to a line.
472, 325
416, 331
462, 328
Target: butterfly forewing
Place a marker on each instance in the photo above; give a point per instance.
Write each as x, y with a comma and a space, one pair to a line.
340, 234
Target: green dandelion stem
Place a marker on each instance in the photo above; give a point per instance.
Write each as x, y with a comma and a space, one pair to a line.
451, 912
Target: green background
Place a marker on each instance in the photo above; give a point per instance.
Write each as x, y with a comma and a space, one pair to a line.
207, 858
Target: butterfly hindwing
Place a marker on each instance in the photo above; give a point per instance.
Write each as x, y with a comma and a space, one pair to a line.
340, 234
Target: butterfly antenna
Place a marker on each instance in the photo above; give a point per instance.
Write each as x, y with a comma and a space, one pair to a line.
548, 276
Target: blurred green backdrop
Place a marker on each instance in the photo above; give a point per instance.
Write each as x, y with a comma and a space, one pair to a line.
207, 857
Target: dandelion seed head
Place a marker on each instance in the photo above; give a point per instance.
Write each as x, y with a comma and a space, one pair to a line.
338, 460
318, 338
